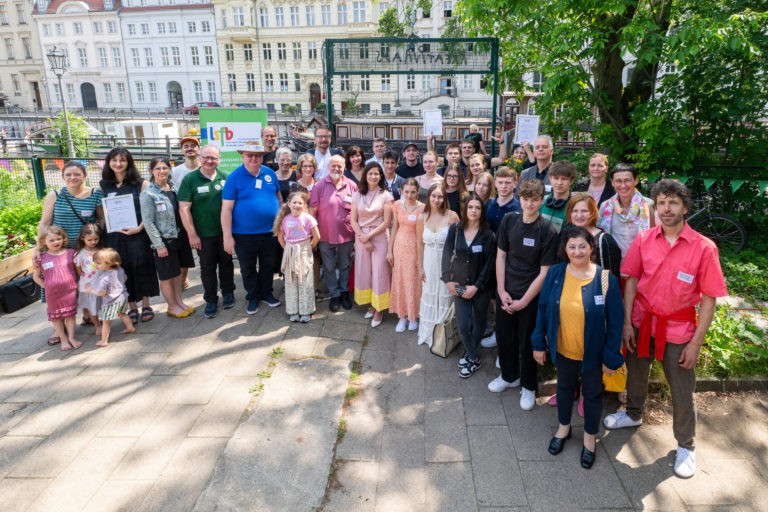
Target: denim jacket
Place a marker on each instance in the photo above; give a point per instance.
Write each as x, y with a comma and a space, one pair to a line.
603, 323
157, 211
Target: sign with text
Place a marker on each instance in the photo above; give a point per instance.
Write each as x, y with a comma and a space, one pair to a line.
433, 122
527, 128
229, 129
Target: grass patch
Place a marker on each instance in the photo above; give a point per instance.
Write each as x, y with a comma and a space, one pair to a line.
265, 374
341, 429
351, 392
276, 353
365, 340
746, 274
256, 389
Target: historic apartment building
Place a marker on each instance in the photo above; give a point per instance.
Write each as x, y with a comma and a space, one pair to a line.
171, 57
21, 62
89, 34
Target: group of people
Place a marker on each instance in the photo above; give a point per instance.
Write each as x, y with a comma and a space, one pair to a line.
578, 270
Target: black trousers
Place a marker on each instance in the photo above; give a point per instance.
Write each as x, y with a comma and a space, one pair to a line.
213, 255
513, 335
591, 389
257, 255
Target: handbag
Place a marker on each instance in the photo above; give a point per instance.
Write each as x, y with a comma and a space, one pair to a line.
445, 335
20, 291
618, 381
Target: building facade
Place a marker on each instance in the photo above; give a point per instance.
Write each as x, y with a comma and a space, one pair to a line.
171, 55
89, 34
21, 62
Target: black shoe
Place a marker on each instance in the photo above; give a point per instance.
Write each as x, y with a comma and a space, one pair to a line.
557, 444
470, 369
333, 305
271, 300
587, 458
346, 301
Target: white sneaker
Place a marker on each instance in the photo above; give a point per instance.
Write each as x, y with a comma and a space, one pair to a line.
401, 325
412, 326
498, 384
294, 318
498, 364
685, 462
619, 419
489, 342
304, 319
527, 399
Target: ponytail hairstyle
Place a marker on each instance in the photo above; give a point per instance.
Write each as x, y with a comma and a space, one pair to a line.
286, 209
89, 229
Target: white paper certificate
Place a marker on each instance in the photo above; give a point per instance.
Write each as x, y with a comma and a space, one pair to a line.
527, 129
119, 213
433, 122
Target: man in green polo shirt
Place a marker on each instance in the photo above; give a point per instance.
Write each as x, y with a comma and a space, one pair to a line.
200, 210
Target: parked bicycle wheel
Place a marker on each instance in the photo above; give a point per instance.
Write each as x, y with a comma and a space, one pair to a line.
727, 233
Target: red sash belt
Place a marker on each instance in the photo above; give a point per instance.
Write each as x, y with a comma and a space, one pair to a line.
687, 314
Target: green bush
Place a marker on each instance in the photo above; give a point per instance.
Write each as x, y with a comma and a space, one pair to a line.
746, 274
15, 188
733, 347
18, 227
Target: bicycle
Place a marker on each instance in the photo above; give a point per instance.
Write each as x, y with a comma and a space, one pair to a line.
727, 233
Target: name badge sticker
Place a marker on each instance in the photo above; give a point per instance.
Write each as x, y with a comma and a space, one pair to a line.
48, 265
412, 217
203, 190
160, 206
529, 242
348, 198
686, 278
86, 213
258, 184
599, 300
548, 188
477, 248
290, 223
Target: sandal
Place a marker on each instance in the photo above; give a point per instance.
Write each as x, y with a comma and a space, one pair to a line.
147, 314
133, 314
318, 296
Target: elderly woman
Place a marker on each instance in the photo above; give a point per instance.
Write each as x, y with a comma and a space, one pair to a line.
120, 177
160, 212
306, 166
582, 211
579, 320
597, 183
285, 175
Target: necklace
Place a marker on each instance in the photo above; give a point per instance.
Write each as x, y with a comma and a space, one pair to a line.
410, 209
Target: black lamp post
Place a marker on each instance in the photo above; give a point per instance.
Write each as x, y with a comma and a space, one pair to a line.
58, 61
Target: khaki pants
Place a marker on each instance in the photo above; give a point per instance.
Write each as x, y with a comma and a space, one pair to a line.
682, 384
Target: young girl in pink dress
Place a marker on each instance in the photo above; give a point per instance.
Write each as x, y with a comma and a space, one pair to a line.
88, 242
55, 271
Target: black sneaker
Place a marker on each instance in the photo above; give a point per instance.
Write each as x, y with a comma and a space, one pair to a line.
463, 361
210, 309
271, 300
228, 300
346, 301
333, 305
470, 369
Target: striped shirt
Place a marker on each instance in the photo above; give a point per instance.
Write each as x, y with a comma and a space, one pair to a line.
64, 217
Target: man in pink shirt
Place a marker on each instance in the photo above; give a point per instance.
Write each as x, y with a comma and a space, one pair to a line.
330, 204
671, 269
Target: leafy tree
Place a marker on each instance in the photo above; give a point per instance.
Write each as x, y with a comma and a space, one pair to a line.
78, 130
708, 108
390, 23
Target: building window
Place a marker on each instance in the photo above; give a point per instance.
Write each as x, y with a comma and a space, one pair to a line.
250, 82
103, 61
107, 92
312, 50
386, 83
467, 81
145, 29
121, 92
9, 49
410, 82
269, 83
538, 81
365, 82
116, 58
21, 15
282, 54
270, 108
264, 17
17, 84
148, 58
171, 27
211, 90
344, 83
77, 27
344, 50
4, 15
82, 54
297, 82
71, 93
176, 56
28, 49
266, 50
229, 52
232, 82
383, 6
310, 15
358, 9
57, 93
191, 27
197, 85
670, 68
325, 14
161, 28
238, 18
283, 82
385, 108
208, 52
447, 8
139, 92
294, 16
131, 29
195, 55
66, 58
98, 27
279, 17
384, 51
111, 27
342, 14
165, 58
363, 50
247, 52
59, 29
152, 92
224, 18
46, 27
296, 51
205, 26
426, 82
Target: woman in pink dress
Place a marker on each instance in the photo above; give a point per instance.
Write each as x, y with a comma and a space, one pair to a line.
406, 284
370, 217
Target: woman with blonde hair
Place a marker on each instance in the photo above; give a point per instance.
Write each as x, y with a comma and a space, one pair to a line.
597, 183
430, 176
477, 166
484, 187
306, 166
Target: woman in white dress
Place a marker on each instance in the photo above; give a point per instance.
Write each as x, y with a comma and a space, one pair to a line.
431, 230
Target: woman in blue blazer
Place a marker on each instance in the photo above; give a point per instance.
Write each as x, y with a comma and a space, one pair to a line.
580, 320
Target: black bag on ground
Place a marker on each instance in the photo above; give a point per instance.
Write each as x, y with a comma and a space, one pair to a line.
20, 291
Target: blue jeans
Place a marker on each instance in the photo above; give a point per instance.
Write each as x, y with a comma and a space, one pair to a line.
257, 255
471, 318
591, 390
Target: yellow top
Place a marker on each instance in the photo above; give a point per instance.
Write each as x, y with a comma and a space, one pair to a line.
570, 334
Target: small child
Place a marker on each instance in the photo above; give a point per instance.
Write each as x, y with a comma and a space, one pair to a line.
55, 271
110, 285
88, 242
295, 227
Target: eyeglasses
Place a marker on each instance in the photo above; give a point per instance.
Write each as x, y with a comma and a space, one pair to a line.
451, 177
251, 155
212, 158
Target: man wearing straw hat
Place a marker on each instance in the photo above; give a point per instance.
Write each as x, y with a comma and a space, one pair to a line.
250, 202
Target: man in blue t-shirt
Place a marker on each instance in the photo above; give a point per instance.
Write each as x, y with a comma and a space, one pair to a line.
250, 202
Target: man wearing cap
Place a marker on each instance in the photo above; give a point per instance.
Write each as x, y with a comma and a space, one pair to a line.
411, 167
190, 148
323, 151
200, 211
269, 137
250, 202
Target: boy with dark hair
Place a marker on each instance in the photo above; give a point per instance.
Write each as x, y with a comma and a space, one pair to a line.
562, 174
392, 180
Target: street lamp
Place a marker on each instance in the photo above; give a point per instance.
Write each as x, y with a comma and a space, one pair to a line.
58, 61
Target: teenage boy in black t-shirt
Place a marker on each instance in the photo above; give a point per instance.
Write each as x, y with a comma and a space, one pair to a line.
527, 247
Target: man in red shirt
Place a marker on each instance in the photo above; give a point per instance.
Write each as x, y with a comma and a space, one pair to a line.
671, 269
